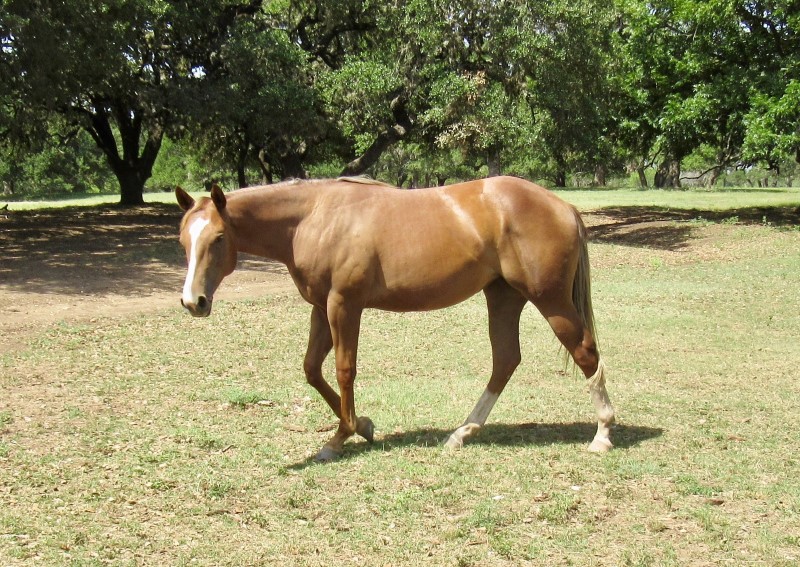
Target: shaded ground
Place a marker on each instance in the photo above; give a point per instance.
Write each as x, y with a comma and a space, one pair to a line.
79, 264
672, 229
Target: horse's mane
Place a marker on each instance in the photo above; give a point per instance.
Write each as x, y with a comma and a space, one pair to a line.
363, 180
300, 182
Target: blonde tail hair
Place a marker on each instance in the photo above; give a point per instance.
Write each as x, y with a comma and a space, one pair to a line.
582, 284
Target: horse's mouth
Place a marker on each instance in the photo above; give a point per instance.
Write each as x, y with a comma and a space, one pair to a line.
201, 308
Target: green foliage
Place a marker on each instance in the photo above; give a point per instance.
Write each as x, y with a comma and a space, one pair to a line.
359, 93
716, 73
69, 164
257, 91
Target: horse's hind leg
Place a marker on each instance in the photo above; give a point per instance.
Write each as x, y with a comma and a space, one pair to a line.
505, 305
579, 342
320, 344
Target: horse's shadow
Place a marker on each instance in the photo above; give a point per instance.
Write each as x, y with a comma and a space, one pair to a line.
503, 435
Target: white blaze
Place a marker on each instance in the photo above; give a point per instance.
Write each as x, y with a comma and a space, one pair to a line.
195, 230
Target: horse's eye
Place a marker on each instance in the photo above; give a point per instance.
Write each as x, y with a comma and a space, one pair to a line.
219, 238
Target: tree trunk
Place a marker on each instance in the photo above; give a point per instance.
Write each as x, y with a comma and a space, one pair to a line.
642, 176
292, 166
371, 155
599, 175
383, 140
241, 161
561, 178
713, 175
668, 174
266, 168
133, 168
493, 161
131, 183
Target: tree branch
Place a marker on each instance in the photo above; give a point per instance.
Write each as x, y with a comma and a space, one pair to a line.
392, 134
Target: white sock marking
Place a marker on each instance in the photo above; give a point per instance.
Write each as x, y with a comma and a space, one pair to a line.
483, 408
195, 230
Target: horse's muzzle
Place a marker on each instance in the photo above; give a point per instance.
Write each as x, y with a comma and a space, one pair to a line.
200, 308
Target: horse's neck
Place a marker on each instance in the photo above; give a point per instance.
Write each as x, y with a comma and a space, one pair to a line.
264, 220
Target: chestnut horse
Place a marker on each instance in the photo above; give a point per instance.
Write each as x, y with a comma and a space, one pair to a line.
350, 244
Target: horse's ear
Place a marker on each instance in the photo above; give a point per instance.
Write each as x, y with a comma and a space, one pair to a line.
184, 199
218, 197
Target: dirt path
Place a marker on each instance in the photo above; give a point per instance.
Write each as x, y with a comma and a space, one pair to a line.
79, 265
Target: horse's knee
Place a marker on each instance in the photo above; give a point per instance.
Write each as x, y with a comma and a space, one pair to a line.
313, 373
586, 360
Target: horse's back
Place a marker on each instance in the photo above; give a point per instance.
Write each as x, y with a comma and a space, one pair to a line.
479, 204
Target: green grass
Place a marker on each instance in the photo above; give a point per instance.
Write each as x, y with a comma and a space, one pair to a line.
142, 440
717, 198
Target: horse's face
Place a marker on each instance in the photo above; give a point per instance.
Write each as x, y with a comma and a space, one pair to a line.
210, 248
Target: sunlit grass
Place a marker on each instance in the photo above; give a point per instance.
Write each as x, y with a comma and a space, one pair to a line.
716, 198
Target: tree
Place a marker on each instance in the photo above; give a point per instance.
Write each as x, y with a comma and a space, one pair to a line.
265, 110
123, 71
707, 74
771, 29
359, 68
474, 75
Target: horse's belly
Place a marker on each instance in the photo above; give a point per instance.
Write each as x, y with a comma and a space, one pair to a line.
420, 291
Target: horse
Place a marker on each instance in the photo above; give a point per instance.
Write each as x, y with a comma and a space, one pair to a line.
351, 244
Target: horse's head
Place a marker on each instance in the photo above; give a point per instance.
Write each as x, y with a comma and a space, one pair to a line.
210, 245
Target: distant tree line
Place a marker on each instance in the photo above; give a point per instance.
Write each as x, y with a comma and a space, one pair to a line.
413, 91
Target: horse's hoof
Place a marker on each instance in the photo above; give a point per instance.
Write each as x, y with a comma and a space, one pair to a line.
327, 455
366, 428
453, 443
457, 438
600, 445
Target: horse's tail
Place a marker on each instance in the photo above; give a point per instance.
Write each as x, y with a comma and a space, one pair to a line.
582, 284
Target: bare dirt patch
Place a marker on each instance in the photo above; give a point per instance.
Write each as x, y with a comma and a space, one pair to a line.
81, 264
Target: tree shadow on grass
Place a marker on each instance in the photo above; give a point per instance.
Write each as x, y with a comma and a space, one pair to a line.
663, 228
503, 435
110, 250
97, 250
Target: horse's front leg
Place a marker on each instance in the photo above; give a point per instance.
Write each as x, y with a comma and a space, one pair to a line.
345, 323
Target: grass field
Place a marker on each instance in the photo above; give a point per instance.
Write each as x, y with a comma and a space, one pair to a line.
159, 439
596, 198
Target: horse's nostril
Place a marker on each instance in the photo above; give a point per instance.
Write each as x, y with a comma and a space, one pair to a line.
202, 302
